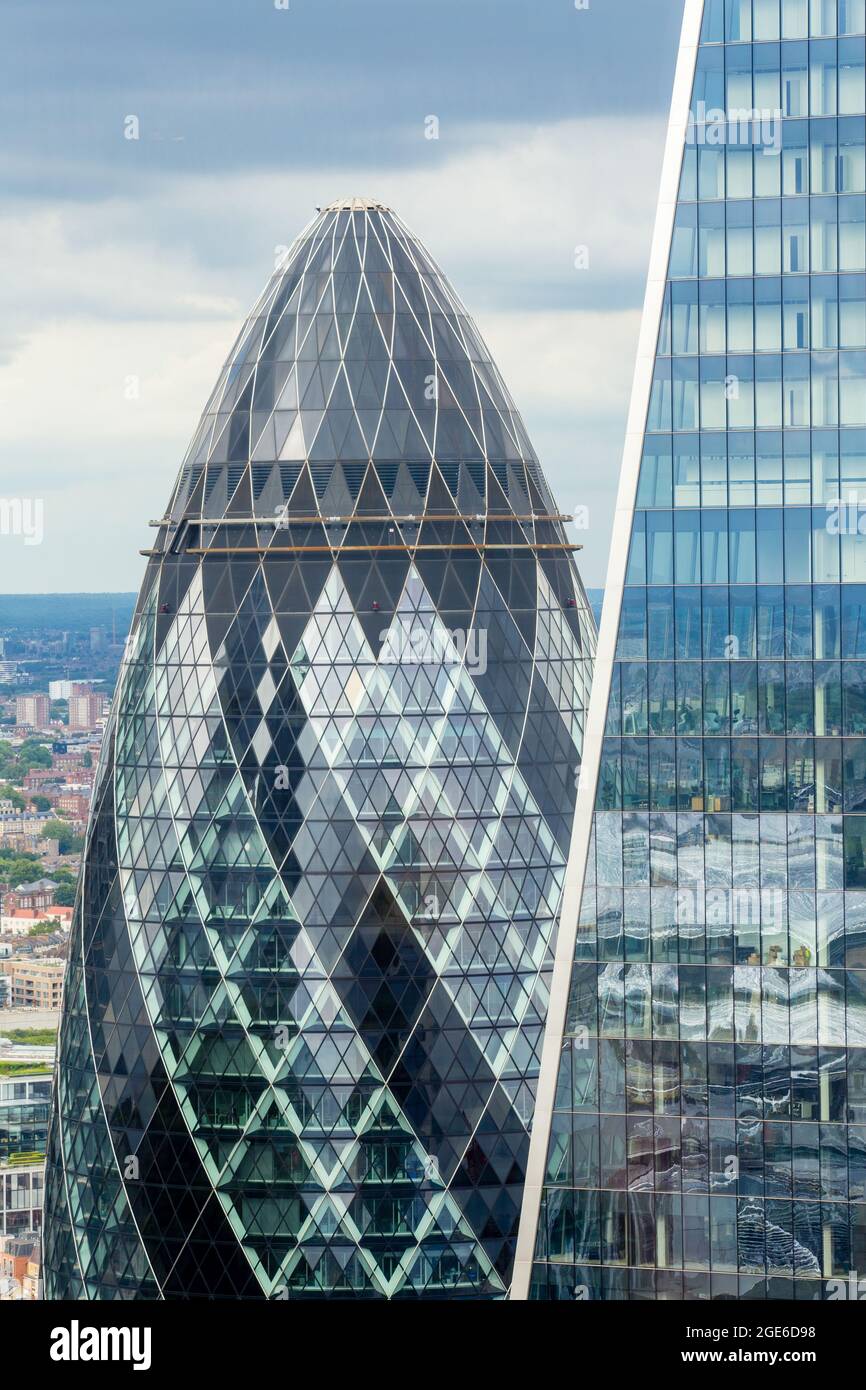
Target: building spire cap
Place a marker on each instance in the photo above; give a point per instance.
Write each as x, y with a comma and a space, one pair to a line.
356, 205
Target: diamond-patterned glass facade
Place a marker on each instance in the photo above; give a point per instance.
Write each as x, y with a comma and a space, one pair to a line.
313, 943
709, 1127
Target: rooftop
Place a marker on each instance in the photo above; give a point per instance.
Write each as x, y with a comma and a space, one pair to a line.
356, 205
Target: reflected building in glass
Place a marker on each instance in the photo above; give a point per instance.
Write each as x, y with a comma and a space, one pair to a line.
312, 948
701, 1124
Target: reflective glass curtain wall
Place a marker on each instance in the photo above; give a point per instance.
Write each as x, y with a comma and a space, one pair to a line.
708, 1137
312, 947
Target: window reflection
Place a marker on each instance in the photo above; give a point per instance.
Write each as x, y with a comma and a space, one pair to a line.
731, 822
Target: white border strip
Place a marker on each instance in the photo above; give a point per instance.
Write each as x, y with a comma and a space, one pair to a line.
640, 399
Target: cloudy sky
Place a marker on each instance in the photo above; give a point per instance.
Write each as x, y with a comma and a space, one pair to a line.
129, 264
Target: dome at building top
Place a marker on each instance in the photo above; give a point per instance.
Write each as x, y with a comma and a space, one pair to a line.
359, 362
355, 205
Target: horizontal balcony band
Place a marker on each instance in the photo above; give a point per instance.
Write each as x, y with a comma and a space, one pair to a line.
280, 518
335, 549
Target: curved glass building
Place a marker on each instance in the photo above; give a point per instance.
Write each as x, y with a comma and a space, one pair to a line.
701, 1122
312, 947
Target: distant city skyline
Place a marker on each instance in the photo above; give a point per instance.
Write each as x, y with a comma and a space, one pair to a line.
138, 220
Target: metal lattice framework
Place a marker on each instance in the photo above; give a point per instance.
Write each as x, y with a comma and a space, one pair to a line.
312, 947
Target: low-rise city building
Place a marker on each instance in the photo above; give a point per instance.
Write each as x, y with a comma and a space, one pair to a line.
31, 1287
37, 777
31, 842
36, 895
23, 830
74, 804
21, 921
19, 1267
33, 983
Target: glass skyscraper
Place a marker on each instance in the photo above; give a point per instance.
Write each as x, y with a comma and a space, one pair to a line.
312, 947
701, 1129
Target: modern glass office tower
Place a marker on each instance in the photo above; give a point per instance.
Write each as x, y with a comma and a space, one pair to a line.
312, 949
708, 1135
24, 1108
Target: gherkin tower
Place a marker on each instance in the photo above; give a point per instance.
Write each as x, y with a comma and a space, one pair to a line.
313, 940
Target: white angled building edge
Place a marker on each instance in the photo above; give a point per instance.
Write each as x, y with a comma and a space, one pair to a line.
579, 849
